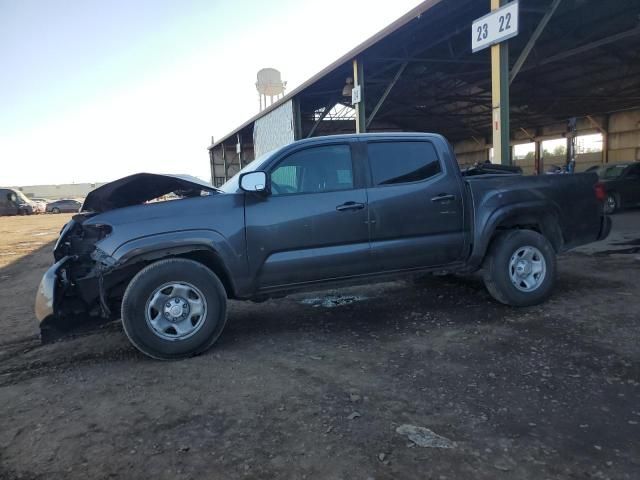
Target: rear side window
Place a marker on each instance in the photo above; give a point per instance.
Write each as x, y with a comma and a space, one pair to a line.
402, 162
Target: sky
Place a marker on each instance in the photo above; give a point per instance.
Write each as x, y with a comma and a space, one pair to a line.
91, 90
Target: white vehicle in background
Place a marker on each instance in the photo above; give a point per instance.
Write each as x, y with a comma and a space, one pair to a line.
40, 205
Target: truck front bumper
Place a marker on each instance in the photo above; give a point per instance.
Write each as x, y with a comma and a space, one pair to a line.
46, 294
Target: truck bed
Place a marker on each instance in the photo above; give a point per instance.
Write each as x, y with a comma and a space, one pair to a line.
568, 199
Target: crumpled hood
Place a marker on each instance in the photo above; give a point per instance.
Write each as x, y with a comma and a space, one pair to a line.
142, 187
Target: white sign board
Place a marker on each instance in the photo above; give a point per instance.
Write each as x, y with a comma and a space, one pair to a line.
495, 27
355, 95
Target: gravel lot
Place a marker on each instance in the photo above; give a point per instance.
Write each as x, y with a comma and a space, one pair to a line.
315, 385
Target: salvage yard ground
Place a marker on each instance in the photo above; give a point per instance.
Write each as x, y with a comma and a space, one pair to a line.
317, 385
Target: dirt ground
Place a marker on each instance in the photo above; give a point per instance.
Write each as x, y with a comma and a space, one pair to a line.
315, 385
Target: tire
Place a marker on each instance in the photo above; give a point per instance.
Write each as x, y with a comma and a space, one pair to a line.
170, 284
55, 210
611, 203
509, 270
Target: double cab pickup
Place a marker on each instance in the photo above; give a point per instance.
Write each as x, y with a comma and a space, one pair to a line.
348, 208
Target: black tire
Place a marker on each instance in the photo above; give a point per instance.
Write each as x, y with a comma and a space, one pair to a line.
142, 288
55, 210
611, 203
497, 266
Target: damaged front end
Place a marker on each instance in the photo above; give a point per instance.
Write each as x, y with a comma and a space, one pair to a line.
73, 291
85, 285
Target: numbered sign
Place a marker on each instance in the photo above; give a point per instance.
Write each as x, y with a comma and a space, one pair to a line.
495, 27
355, 95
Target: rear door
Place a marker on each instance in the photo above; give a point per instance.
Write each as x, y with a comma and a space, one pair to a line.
415, 205
313, 224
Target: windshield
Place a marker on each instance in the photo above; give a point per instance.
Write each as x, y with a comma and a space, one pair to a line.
232, 186
21, 196
611, 172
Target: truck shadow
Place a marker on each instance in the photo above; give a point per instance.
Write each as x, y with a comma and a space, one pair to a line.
19, 282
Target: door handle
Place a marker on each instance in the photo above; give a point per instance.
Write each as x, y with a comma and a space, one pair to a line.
350, 206
444, 197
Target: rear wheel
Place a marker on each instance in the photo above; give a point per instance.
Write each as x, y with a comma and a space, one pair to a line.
611, 204
520, 268
174, 308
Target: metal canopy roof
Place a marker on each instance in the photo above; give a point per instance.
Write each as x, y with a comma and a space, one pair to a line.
586, 62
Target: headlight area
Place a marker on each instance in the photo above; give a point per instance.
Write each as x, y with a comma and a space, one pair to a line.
83, 280
89, 284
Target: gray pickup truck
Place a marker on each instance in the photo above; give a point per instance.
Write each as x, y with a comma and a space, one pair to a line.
316, 212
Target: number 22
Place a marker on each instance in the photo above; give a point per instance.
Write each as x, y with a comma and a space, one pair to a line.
502, 19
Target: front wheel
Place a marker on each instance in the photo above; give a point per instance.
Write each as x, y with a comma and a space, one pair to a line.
520, 268
174, 308
55, 210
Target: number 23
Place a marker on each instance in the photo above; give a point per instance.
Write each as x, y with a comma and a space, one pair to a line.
483, 31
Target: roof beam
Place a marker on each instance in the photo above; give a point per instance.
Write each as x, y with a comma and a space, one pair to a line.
324, 113
587, 47
386, 92
532, 41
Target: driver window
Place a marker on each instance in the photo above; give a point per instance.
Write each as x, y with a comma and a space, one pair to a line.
313, 170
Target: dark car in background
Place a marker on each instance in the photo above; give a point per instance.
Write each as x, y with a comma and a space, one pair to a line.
14, 202
621, 183
64, 206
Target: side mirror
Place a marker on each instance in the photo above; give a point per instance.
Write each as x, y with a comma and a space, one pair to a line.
253, 182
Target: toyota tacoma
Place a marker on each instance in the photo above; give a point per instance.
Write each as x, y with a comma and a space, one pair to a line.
320, 211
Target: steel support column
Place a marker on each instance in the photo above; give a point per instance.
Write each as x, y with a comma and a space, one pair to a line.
239, 142
212, 164
358, 81
500, 98
538, 158
224, 161
297, 119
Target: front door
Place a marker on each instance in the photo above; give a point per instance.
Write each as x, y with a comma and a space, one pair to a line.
313, 224
415, 206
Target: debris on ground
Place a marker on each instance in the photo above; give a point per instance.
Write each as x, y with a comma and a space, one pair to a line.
331, 301
354, 415
423, 437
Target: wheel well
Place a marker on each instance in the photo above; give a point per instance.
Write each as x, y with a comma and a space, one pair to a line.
206, 257
546, 226
212, 261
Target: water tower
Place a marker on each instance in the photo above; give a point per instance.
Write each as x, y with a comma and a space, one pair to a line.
270, 85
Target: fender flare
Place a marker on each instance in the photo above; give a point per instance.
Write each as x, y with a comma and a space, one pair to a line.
182, 243
543, 214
